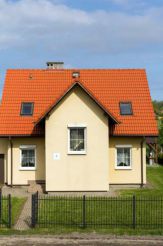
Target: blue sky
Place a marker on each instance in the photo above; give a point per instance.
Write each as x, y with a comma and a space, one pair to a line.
83, 33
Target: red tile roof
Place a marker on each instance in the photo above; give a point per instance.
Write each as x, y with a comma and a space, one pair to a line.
107, 86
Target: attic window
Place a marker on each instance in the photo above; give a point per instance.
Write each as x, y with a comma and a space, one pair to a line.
126, 108
75, 74
27, 108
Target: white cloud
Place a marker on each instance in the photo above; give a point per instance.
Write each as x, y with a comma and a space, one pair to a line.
58, 27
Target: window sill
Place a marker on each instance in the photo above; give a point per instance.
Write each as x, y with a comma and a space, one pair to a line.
123, 168
27, 169
76, 153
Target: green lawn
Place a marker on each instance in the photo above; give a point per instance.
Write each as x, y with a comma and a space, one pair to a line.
105, 212
155, 180
16, 207
113, 215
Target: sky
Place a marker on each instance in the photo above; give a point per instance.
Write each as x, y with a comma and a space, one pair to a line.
83, 34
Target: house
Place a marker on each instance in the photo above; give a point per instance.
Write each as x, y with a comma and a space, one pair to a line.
75, 129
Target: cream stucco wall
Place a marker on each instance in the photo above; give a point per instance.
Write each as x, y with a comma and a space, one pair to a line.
133, 175
21, 177
3, 150
77, 172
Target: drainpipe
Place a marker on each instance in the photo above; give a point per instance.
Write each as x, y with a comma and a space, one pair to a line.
142, 171
11, 157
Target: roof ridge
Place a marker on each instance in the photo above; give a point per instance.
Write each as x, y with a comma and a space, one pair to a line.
71, 69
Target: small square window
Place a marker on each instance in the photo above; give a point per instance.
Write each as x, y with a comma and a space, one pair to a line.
77, 140
28, 157
125, 108
123, 157
27, 108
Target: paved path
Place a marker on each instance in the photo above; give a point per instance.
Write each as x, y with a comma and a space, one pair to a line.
89, 239
24, 220
19, 191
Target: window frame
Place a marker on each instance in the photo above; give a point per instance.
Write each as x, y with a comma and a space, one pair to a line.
76, 126
32, 109
127, 102
123, 167
22, 147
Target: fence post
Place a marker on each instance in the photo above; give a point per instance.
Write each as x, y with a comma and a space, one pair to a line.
36, 206
84, 212
134, 212
33, 212
9, 211
0, 204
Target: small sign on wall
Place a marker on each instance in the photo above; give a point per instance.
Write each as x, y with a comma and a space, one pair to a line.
56, 156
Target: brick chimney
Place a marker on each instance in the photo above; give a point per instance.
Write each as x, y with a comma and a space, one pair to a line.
55, 65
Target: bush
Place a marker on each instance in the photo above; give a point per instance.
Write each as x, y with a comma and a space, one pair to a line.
160, 158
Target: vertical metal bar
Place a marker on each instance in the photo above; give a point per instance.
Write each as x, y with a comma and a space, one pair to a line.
134, 211
36, 205
0, 204
84, 211
33, 222
9, 212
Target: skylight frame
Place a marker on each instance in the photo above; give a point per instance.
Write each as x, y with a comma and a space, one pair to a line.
32, 109
131, 109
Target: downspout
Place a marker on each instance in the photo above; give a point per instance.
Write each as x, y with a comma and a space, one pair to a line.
142, 164
11, 157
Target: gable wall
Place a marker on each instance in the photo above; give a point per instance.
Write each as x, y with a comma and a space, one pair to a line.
77, 172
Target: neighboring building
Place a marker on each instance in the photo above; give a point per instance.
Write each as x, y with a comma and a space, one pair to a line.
75, 129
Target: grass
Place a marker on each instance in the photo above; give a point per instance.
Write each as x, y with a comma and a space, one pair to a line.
17, 204
155, 179
108, 213
71, 211
101, 213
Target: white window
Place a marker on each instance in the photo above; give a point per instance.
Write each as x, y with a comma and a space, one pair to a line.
123, 156
76, 139
27, 157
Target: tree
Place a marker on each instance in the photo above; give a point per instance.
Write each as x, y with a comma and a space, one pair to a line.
160, 138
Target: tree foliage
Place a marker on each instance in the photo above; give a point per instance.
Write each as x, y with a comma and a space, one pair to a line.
158, 108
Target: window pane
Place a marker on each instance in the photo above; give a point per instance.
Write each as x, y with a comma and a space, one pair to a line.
125, 108
80, 145
27, 109
28, 158
123, 157
73, 133
126, 152
73, 144
81, 133
76, 145
77, 139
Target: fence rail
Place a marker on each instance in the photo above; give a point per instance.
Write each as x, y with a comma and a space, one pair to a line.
5, 211
92, 212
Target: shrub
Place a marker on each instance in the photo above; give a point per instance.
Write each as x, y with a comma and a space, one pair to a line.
160, 158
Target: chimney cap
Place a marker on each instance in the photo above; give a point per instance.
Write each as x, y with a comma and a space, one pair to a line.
55, 64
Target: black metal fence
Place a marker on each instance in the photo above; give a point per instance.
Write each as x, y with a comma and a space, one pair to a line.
97, 212
5, 211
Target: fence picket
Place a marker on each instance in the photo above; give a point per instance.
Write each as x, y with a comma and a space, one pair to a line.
33, 212
0, 204
121, 212
9, 212
84, 211
134, 212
